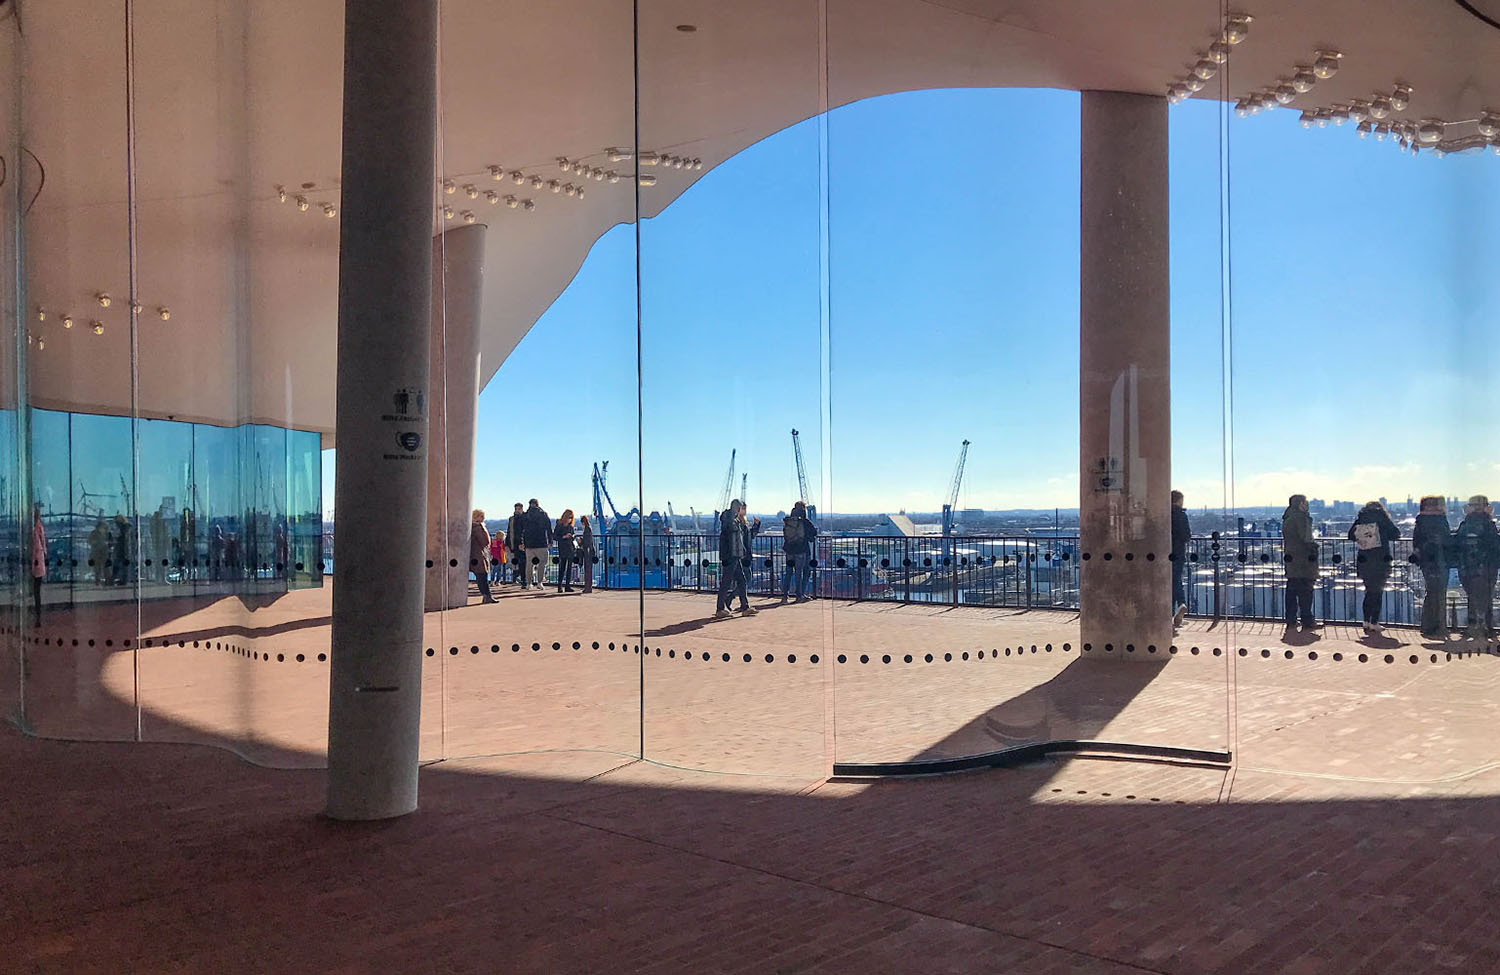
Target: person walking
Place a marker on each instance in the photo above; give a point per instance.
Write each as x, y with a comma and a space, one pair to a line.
479, 556
1300, 555
797, 534
122, 550
536, 532
1182, 533
1476, 546
566, 550
38, 560
99, 551
515, 532
586, 551
734, 555
1432, 551
1372, 533
497, 558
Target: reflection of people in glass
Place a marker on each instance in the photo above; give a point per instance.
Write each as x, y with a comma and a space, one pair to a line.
479, 555
1373, 532
1182, 532
587, 551
1432, 550
566, 551
216, 553
1300, 554
1477, 547
122, 550
734, 556
796, 541
99, 551
158, 546
38, 560
280, 548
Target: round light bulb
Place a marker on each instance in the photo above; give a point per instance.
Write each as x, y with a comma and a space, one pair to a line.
1205, 69
497, 173
1285, 93
67, 321
471, 191
1401, 97
1194, 84
647, 179
1380, 107
528, 205
564, 164
554, 186
580, 192
98, 327
103, 299
164, 313
1489, 125
330, 211
1327, 64
449, 187
1242, 108
1307, 119
512, 202
1237, 27
280, 194
569, 189
1339, 114
302, 204
1304, 79
1218, 52
612, 176
1365, 128
468, 216
447, 213
1359, 109
41, 315
1381, 131
537, 183
491, 197
1430, 132
41, 343
697, 163
598, 175
518, 177
135, 308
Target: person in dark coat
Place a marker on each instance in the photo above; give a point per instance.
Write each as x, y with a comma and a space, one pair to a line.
536, 532
1300, 558
587, 551
1476, 547
479, 555
1182, 533
1432, 551
515, 533
1373, 532
798, 533
566, 550
734, 557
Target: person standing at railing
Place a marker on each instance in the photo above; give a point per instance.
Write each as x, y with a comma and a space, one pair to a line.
1300, 556
537, 532
1182, 532
497, 557
515, 531
734, 556
566, 550
38, 560
797, 536
1432, 551
1372, 533
479, 555
1476, 545
587, 551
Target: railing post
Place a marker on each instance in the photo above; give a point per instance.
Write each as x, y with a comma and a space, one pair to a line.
906, 569
859, 574
1030, 561
953, 575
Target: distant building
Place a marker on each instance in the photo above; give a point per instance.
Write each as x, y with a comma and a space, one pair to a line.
898, 526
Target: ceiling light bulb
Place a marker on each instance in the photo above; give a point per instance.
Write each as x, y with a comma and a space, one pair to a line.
648, 180
302, 204
512, 202
103, 299
554, 186
612, 176
1236, 27
564, 164
41, 343
1218, 52
580, 192
135, 307
1380, 107
41, 315
471, 191
518, 177
617, 155
569, 189
497, 173
536, 183
528, 205
1401, 97
1365, 128
1285, 93
1205, 69
447, 213
1359, 109
1307, 118
1496, 147
164, 313
1242, 108
491, 197
67, 321
1489, 124
598, 175
1327, 64
1193, 84
1304, 79
697, 163
330, 211
1430, 132
1339, 114
649, 159
1173, 97
98, 326
1381, 131
449, 187
280, 194
468, 216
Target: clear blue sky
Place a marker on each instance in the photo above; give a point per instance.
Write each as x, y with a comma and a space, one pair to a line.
1362, 324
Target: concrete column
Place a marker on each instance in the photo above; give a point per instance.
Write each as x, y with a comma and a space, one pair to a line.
385, 276
457, 297
1125, 431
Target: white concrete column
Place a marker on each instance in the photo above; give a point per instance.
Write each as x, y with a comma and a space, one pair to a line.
385, 275
457, 299
1125, 430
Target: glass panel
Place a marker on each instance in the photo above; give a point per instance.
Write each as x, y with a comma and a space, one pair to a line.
732, 352
14, 573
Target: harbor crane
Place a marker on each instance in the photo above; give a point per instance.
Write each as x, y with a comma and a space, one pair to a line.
950, 505
671, 518
728, 483
745, 491
801, 474
601, 498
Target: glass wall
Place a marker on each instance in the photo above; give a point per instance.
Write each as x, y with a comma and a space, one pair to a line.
865, 343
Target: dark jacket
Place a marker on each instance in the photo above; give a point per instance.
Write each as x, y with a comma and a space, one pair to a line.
515, 532
1432, 541
479, 547
1378, 558
734, 538
564, 536
1182, 533
1476, 544
586, 542
809, 532
536, 529
1299, 548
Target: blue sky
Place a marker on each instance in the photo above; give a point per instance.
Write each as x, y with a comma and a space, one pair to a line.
1361, 326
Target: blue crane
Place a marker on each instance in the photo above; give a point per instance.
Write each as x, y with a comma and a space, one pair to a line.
601, 498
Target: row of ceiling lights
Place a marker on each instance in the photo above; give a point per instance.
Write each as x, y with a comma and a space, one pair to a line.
304, 205
581, 170
103, 300
1303, 79
1236, 28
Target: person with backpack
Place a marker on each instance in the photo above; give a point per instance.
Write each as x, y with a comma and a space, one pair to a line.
1372, 533
1300, 556
1432, 551
536, 534
797, 534
734, 557
1476, 547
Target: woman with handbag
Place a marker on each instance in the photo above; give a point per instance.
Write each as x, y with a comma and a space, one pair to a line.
563, 535
1373, 532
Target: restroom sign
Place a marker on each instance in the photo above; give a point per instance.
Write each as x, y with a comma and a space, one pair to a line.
1108, 476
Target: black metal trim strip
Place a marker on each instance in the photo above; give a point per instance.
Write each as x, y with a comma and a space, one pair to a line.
1482, 16
1032, 752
